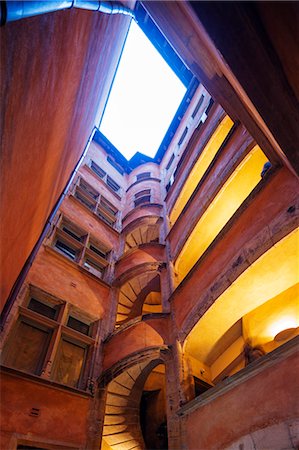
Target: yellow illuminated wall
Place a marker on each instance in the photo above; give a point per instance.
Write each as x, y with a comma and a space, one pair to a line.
281, 312
274, 276
227, 201
201, 166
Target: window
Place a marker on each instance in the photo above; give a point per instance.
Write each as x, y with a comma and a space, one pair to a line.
32, 344
143, 176
69, 241
111, 209
81, 248
200, 102
78, 325
97, 169
112, 184
46, 310
184, 134
116, 166
69, 362
170, 162
94, 201
142, 197
27, 347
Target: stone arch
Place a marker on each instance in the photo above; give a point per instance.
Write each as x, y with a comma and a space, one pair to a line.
124, 383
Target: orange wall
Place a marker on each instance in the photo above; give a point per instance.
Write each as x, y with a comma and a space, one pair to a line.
146, 253
277, 196
143, 335
56, 422
55, 70
267, 398
57, 276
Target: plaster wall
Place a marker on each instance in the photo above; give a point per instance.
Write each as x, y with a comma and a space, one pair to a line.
155, 194
268, 398
49, 103
141, 336
80, 215
56, 275
146, 253
142, 211
276, 196
99, 156
20, 395
153, 168
228, 158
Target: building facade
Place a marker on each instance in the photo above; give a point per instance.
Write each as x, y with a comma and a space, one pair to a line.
161, 308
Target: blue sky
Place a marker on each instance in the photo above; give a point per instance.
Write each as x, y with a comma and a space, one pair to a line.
144, 98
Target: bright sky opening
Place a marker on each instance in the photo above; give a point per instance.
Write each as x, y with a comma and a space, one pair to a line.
144, 98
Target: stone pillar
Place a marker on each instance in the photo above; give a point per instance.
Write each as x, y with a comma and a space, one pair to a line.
95, 420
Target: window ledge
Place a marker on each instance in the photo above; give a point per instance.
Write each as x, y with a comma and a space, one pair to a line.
146, 205
71, 263
143, 179
99, 179
50, 383
242, 376
93, 214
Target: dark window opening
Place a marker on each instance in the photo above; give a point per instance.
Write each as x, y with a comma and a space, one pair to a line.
108, 206
200, 386
143, 176
170, 162
89, 189
28, 447
43, 309
98, 251
200, 102
211, 102
93, 267
71, 233
142, 193
105, 218
184, 134
77, 325
141, 200
112, 184
97, 169
66, 249
90, 204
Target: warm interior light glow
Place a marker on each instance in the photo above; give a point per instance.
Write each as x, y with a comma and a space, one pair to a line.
283, 324
273, 273
145, 96
201, 166
227, 201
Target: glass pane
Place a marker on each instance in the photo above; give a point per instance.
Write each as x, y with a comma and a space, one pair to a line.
70, 359
66, 249
43, 309
27, 349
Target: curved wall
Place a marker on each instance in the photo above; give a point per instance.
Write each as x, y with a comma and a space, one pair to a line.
141, 336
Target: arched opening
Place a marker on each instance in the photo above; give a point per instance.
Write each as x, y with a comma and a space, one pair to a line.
135, 411
153, 418
140, 295
255, 315
147, 231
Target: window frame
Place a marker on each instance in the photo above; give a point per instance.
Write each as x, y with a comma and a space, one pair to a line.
57, 330
100, 206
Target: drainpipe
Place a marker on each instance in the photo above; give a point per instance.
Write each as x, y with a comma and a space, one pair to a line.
16, 10
23, 274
